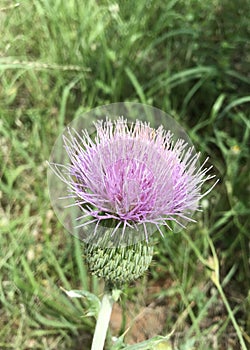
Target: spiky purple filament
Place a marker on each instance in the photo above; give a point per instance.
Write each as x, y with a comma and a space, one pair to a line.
135, 174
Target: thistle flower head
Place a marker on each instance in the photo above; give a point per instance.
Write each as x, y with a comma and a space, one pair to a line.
130, 180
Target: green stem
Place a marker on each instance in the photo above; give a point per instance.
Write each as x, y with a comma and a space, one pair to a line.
231, 315
216, 279
102, 322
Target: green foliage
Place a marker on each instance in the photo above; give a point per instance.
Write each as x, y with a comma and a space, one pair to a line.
93, 302
155, 343
59, 59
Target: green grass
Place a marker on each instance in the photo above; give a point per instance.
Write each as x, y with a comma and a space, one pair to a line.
59, 59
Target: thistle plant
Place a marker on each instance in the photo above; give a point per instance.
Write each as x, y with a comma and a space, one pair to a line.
125, 182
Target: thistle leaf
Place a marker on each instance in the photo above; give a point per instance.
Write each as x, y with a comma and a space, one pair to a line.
92, 301
155, 343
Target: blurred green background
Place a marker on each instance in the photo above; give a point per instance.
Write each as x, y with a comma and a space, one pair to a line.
59, 59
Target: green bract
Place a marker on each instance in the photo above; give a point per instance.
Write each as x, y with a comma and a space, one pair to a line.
121, 264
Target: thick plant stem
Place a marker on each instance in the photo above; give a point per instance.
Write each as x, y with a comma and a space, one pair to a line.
102, 322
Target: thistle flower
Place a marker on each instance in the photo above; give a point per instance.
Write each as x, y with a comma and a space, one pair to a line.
124, 184
130, 179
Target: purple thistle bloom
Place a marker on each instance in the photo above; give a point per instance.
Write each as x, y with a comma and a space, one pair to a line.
132, 174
